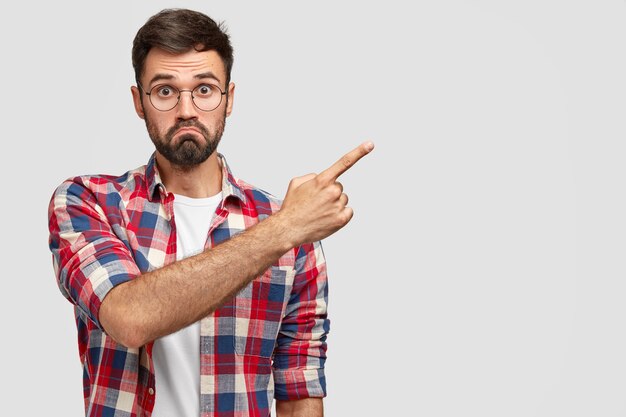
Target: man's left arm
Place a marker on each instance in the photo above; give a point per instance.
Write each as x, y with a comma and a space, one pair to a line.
300, 353
308, 407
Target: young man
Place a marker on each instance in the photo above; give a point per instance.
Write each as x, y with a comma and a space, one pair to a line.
195, 293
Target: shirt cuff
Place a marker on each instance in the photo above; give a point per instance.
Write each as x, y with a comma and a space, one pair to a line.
296, 384
102, 280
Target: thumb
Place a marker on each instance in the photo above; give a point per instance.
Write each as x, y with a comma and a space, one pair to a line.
298, 181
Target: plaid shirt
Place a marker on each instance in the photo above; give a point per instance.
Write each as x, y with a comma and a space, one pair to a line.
268, 342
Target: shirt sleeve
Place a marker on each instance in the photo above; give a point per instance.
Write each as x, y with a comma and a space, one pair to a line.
88, 258
300, 351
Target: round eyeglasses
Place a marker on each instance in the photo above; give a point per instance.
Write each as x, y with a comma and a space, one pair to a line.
165, 97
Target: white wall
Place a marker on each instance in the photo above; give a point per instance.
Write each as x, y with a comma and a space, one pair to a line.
483, 273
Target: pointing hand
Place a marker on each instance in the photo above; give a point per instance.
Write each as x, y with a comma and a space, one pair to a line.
315, 205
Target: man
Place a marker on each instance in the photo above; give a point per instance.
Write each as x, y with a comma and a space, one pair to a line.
195, 293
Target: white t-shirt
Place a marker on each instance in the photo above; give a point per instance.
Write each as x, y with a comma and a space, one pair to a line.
176, 357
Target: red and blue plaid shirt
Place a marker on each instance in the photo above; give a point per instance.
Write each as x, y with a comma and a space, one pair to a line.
268, 342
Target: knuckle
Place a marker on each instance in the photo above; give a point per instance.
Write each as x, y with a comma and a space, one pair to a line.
346, 161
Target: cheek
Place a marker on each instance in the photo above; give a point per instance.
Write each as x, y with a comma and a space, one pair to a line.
214, 119
156, 122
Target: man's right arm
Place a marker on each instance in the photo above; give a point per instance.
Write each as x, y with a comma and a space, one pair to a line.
160, 302
163, 301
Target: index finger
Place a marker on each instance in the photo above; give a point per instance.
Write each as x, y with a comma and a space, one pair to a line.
346, 162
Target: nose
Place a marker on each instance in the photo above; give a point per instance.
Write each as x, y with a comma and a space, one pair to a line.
186, 109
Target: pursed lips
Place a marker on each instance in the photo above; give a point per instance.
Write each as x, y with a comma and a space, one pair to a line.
187, 130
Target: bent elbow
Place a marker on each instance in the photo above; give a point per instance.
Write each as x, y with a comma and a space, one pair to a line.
132, 341
126, 333
122, 325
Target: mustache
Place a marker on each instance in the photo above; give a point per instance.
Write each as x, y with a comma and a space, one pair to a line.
188, 123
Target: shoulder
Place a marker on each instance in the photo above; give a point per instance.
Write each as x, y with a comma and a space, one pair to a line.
103, 187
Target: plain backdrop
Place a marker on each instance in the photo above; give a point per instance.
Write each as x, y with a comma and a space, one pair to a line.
483, 273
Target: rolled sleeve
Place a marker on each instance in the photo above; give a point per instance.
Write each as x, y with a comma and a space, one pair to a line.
88, 258
300, 351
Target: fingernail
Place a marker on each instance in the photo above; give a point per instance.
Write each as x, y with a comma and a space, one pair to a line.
369, 146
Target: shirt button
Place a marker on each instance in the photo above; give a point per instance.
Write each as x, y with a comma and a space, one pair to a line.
151, 391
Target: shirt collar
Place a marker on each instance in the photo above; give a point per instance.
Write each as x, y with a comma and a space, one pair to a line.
230, 186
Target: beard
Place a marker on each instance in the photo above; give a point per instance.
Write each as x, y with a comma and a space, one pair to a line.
189, 151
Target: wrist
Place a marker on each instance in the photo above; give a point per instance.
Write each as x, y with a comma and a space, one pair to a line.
283, 230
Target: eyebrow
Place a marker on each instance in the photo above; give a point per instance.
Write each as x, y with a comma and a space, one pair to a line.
207, 74
159, 77
201, 76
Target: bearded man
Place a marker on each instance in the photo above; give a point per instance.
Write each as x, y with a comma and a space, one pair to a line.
195, 293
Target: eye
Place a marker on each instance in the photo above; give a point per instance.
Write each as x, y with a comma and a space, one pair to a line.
165, 91
205, 90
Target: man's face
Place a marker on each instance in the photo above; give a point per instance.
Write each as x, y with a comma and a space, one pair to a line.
185, 135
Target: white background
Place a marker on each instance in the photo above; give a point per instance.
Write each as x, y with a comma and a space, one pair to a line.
484, 271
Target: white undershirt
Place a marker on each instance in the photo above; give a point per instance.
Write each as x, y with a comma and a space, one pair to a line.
177, 356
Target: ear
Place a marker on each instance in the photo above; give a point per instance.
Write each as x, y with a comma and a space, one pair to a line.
137, 101
231, 98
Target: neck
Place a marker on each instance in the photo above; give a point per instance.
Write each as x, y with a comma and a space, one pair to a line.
200, 181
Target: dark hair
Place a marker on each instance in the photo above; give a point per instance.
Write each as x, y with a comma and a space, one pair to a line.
179, 30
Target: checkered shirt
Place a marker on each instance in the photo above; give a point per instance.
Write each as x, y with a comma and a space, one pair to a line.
267, 342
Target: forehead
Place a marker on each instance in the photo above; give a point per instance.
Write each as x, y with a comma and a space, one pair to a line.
183, 67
